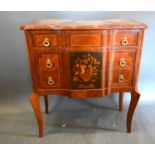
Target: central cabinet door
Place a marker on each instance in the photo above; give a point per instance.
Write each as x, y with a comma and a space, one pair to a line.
86, 69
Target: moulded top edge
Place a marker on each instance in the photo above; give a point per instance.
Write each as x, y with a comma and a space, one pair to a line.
63, 24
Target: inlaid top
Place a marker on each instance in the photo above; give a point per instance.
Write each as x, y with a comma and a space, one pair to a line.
59, 24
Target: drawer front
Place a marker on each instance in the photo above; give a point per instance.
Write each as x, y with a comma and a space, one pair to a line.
45, 40
122, 78
124, 60
49, 70
49, 62
49, 80
124, 38
85, 38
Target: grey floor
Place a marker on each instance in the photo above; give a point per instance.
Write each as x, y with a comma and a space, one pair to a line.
76, 121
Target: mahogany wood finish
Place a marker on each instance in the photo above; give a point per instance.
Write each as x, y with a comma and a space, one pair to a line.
34, 100
83, 59
134, 101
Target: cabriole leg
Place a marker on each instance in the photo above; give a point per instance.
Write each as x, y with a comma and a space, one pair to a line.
134, 101
34, 100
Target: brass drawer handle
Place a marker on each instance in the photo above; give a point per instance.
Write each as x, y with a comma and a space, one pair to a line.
122, 62
46, 42
121, 78
124, 41
50, 81
49, 64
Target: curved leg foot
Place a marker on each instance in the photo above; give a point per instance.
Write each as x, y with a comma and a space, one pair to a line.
121, 95
134, 101
34, 100
46, 103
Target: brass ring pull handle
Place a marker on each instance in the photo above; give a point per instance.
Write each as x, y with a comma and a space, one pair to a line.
50, 81
124, 41
46, 42
49, 64
122, 62
121, 78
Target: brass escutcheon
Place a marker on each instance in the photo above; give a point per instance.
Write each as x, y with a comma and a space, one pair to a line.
49, 64
122, 62
121, 78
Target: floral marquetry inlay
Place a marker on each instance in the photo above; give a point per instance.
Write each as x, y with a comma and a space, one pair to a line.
86, 69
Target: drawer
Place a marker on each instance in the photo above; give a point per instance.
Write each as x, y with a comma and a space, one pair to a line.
124, 60
49, 69
49, 80
122, 78
124, 38
49, 62
85, 38
44, 40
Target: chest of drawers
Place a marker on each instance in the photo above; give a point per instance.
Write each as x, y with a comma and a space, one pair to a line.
83, 59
